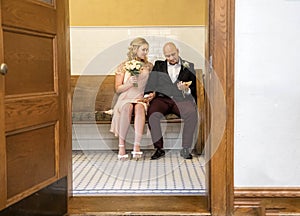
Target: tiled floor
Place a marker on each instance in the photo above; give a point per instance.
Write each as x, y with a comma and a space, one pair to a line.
100, 173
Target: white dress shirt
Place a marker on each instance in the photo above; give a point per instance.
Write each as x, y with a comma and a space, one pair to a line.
173, 71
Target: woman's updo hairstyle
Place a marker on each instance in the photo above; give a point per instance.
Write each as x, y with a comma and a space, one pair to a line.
133, 47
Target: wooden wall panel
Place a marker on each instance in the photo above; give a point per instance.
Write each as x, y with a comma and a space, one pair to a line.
266, 201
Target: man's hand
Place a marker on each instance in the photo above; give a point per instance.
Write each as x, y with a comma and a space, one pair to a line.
148, 97
184, 86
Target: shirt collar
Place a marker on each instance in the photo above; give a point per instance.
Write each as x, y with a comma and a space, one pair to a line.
178, 64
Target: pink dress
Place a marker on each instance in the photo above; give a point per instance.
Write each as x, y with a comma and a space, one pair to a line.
129, 96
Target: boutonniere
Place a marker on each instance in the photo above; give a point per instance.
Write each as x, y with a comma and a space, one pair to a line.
186, 65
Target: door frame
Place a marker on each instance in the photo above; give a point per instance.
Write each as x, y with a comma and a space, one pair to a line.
221, 50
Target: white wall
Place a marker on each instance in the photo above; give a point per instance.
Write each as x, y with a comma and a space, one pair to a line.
98, 50
267, 93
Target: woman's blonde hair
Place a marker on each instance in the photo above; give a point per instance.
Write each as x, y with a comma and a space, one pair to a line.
133, 47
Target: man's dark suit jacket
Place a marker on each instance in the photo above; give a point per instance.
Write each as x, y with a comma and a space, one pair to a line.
160, 82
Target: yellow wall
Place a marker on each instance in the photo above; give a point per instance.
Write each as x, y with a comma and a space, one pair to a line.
138, 12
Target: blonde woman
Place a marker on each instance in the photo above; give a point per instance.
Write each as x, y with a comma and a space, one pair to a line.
130, 90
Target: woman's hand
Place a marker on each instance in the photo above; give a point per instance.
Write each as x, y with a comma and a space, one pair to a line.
149, 97
132, 80
127, 85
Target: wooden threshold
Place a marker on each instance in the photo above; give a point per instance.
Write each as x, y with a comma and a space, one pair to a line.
138, 205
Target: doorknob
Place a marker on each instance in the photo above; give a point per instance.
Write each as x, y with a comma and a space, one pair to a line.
3, 69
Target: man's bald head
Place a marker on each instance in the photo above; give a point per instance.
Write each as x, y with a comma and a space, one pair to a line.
171, 52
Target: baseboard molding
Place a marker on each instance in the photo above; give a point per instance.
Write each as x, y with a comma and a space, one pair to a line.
266, 201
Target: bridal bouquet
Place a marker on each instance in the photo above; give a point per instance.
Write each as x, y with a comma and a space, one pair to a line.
133, 67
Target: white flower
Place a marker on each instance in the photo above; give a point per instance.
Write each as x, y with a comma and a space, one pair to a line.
133, 67
186, 65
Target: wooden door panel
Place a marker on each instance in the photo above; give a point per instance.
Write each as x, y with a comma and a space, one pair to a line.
30, 57
29, 15
27, 112
27, 158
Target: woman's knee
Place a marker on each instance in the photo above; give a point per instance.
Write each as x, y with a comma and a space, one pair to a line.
139, 108
128, 108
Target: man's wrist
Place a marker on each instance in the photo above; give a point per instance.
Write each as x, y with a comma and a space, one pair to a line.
187, 91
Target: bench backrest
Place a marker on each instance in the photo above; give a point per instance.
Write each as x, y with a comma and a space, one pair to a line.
92, 92
96, 92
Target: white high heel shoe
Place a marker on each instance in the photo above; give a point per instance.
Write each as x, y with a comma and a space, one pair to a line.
136, 154
122, 157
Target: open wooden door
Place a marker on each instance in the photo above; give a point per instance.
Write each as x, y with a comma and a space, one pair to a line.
35, 122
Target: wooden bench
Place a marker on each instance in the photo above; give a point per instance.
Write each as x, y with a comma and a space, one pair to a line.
93, 95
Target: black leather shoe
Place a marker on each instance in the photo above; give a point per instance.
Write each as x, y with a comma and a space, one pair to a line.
158, 154
185, 153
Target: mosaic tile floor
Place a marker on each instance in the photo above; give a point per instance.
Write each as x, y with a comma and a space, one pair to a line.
100, 173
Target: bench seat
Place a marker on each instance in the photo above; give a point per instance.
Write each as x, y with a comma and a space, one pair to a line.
101, 117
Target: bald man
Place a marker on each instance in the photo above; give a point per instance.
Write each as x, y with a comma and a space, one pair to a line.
171, 88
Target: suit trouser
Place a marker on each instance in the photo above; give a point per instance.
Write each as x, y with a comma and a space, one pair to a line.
161, 106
